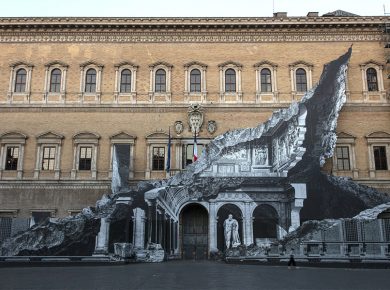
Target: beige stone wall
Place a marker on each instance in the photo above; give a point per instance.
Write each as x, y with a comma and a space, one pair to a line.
362, 115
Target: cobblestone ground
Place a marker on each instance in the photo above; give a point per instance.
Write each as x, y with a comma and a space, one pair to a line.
191, 275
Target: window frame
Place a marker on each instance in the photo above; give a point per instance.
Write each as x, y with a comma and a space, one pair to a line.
48, 139
370, 95
85, 139
160, 96
55, 97
298, 80
294, 67
123, 138
87, 96
12, 139
82, 164
23, 83
125, 97
230, 96
371, 82
383, 164
378, 139
14, 96
160, 160
345, 139
160, 81
195, 96
261, 96
343, 158
50, 159
90, 83
8, 147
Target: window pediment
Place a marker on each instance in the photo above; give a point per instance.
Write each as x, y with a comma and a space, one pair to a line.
56, 63
21, 63
126, 63
91, 63
195, 63
378, 134
122, 135
265, 63
371, 62
50, 135
161, 63
13, 136
345, 135
86, 135
300, 63
157, 135
230, 63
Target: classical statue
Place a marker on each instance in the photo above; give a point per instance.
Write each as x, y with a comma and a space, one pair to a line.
232, 237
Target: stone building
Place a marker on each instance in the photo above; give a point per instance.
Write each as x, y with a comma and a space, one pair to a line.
73, 88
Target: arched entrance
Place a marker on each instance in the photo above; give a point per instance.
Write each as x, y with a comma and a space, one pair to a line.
194, 225
265, 220
223, 214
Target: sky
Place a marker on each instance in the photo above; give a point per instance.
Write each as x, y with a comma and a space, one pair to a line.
186, 8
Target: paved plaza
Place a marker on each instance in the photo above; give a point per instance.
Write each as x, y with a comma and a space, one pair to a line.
191, 275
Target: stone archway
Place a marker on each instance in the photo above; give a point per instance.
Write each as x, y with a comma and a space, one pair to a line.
223, 213
194, 229
265, 221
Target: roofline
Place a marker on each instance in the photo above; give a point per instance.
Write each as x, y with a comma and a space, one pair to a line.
190, 20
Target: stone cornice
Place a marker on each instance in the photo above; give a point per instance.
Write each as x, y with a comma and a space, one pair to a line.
186, 37
227, 29
183, 107
192, 22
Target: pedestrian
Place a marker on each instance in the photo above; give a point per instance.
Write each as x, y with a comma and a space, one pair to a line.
291, 261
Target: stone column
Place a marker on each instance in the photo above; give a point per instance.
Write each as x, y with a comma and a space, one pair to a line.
151, 221
297, 204
139, 227
102, 239
248, 225
175, 237
213, 228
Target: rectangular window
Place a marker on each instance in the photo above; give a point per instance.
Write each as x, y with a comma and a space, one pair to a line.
188, 154
5, 228
39, 217
48, 158
342, 156
195, 80
11, 161
158, 158
380, 158
351, 231
85, 158
386, 229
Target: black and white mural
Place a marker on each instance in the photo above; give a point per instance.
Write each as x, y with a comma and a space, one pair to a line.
250, 188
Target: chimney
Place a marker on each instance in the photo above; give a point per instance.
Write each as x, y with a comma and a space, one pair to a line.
312, 14
280, 15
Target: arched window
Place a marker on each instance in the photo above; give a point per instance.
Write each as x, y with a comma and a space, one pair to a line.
20, 81
372, 80
125, 81
90, 81
55, 81
230, 80
195, 79
265, 76
301, 80
161, 81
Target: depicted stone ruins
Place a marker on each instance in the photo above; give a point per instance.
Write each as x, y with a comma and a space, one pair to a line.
243, 195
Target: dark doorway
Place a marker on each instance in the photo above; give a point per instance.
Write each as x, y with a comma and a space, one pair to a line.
223, 214
265, 220
194, 232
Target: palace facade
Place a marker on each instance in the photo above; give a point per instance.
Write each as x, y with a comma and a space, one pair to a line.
72, 88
